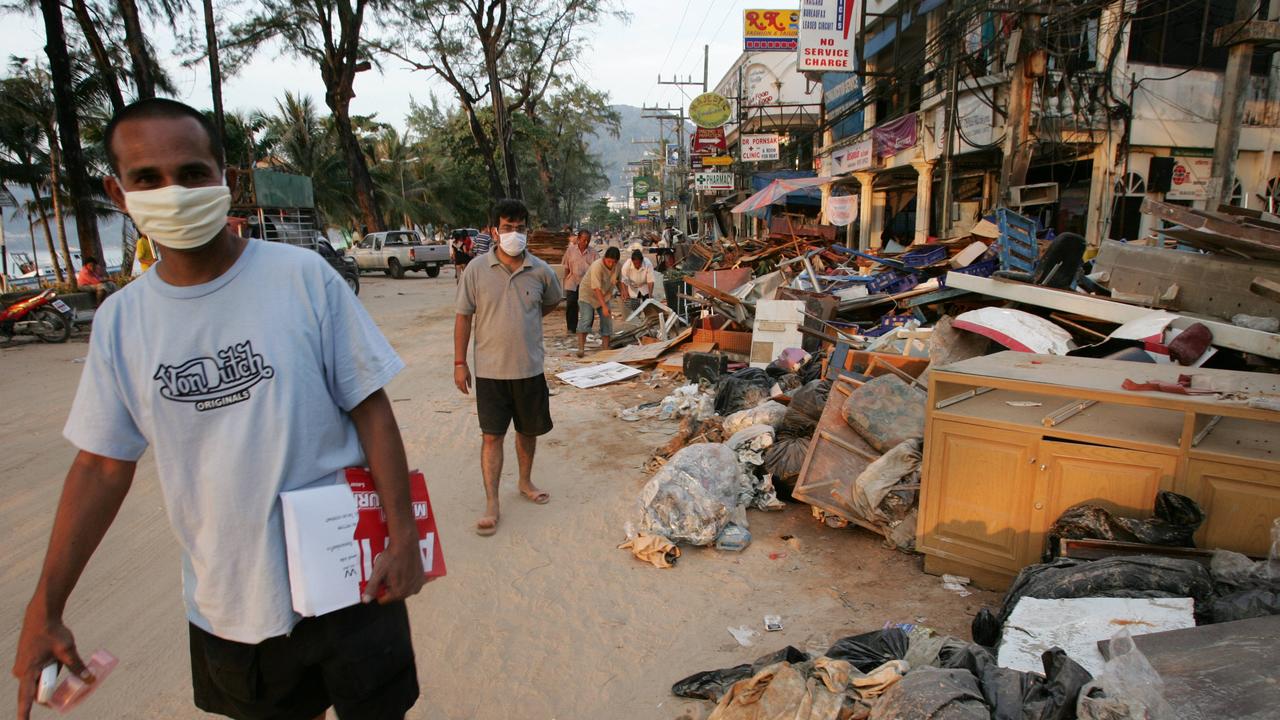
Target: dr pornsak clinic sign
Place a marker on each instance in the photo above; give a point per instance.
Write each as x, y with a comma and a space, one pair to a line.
759, 147
827, 36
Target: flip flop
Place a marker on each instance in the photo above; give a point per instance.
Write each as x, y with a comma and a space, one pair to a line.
483, 531
538, 498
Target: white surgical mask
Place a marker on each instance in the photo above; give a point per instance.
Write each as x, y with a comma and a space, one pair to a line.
513, 243
178, 217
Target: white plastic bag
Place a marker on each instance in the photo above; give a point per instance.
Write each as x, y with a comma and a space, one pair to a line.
1128, 687
767, 413
695, 495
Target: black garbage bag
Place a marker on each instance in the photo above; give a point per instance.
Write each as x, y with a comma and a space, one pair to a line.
812, 370
805, 410
789, 383
742, 390
985, 628
713, 684
1132, 576
1176, 519
869, 651
1245, 604
936, 693
1015, 695
783, 460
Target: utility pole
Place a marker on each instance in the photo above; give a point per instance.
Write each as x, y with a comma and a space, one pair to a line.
948, 149
675, 115
1017, 150
1240, 36
675, 79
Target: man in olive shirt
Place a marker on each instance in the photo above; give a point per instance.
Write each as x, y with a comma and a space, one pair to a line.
594, 294
502, 297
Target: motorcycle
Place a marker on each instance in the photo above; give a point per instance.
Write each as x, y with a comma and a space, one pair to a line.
42, 315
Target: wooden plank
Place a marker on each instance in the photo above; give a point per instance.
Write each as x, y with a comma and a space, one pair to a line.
1227, 670
1201, 220
1224, 334
1265, 288
1207, 284
641, 354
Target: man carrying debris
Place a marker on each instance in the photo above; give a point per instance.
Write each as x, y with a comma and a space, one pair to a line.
594, 294
637, 280
502, 298
250, 369
577, 260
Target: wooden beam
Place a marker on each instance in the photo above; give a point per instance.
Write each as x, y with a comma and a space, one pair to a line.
1266, 288
1224, 334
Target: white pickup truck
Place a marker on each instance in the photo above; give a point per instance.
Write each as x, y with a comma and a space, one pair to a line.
396, 252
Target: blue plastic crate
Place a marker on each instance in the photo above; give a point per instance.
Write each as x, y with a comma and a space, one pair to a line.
924, 257
1019, 251
887, 324
891, 283
981, 268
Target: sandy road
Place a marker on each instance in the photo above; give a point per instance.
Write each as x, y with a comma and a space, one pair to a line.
545, 620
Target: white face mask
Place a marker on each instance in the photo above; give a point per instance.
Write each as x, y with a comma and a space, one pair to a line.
513, 243
178, 217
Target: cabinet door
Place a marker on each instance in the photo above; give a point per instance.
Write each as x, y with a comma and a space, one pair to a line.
1122, 481
975, 502
1239, 502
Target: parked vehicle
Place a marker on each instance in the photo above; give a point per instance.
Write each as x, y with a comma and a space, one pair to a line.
345, 266
396, 252
42, 315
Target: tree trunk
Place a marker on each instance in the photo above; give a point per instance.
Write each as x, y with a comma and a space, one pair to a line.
59, 217
48, 236
502, 125
101, 58
134, 40
548, 186
215, 74
485, 146
69, 128
361, 182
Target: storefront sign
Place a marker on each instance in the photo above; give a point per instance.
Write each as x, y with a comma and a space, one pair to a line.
826, 35
975, 124
764, 30
712, 181
640, 186
842, 209
655, 199
707, 141
759, 147
761, 85
1190, 174
896, 135
853, 158
709, 110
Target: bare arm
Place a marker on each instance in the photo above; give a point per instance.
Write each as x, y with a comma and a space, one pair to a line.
604, 301
399, 568
461, 337
91, 496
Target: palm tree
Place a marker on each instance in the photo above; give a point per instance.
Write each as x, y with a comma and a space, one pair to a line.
296, 139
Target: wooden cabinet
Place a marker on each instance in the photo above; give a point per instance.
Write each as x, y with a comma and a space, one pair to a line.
1013, 440
1240, 504
980, 505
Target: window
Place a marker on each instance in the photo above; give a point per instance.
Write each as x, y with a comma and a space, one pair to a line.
1179, 33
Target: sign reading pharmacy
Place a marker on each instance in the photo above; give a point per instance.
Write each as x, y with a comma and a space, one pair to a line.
765, 30
709, 110
759, 147
710, 181
826, 36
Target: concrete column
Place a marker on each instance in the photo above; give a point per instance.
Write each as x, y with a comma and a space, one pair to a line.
924, 198
1101, 190
865, 179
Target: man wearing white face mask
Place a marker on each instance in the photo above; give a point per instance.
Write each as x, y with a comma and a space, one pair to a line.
502, 299
250, 369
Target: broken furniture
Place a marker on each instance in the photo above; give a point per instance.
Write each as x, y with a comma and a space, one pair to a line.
837, 456
1014, 439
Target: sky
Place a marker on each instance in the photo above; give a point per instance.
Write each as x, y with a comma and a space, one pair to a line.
625, 58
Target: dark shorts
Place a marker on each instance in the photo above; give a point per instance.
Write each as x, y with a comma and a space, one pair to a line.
526, 401
358, 660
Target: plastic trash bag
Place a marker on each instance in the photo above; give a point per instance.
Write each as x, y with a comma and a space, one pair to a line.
870, 650
1175, 521
1128, 687
934, 693
1015, 695
985, 628
687, 401
1245, 604
1133, 576
784, 460
713, 684
768, 413
733, 538
805, 410
785, 385
750, 443
885, 411
741, 390
694, 495
900, 465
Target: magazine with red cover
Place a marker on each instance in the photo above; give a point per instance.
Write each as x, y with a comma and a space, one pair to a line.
371, 536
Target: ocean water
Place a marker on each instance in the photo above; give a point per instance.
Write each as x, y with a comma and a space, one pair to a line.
17, 235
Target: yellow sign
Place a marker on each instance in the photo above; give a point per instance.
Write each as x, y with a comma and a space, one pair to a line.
709, 110
770, 30
717, 160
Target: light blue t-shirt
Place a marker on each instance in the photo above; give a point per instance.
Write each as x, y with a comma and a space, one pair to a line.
242, 386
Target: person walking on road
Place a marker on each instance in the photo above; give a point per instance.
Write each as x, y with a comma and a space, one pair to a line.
577, 260
251, 369
594, 294
501, 301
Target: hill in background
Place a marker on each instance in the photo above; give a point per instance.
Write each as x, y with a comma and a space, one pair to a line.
615, 153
